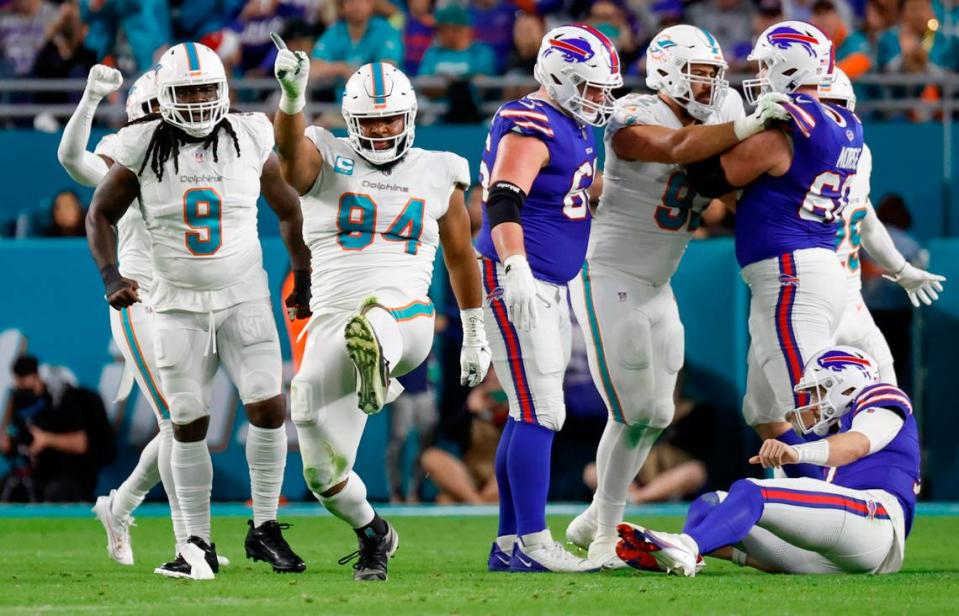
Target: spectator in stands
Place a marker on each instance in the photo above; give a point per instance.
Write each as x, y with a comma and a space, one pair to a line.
145, 24
461, 461
880, 15
888, 304
56, 441
22, 34
455, 54
67, 216
528, 32
917, 46
254, 24
63, 54
853, 54
417, 34
730, 21
357, 38
610, 18
768, 13
495, 18
192, 20
415, 408
802, 10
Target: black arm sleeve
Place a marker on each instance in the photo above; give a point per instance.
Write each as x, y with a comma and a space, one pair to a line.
708, 179
503, 203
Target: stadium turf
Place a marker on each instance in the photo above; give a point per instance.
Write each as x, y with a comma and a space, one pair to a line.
60, 565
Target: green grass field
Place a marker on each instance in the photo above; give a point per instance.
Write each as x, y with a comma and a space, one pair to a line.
60, 565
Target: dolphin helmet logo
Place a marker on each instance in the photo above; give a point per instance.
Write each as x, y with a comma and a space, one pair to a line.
785, 36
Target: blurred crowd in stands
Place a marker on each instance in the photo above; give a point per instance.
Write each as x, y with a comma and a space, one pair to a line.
457, 41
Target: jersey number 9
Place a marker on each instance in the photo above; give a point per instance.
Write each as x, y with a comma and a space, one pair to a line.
677, 208
202, 213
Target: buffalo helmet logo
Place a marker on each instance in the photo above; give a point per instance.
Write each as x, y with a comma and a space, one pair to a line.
785, 36
837, 361
573, 49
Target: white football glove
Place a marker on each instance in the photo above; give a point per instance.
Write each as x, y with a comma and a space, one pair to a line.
919, 284
475, 354
519, 292
768, 109
102, 81
625, 112
292, 70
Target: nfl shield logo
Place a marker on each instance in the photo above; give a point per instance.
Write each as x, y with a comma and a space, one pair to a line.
849, 135
198, 156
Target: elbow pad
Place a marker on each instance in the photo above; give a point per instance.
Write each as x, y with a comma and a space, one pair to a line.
503, 203
708, 179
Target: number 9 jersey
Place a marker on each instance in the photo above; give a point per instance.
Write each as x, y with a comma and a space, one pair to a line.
374, 227
555, 217
202, 216
648, 210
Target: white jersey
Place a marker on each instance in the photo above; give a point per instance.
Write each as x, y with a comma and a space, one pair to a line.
369, 228
647, 210
848, 236
133, 251
202, 216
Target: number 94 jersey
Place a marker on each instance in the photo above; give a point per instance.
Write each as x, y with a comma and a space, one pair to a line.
370, 227
648, 210
555, 217
202, 215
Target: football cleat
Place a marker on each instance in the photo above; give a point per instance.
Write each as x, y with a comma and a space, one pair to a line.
373, 556
548, 556
602, 552
372, 369
498, 561
266, 543
201, 557
673, 553
582, 530
176, 568
118, 529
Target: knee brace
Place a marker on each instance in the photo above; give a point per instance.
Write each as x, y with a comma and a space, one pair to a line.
259, 385
301, 403
186, 408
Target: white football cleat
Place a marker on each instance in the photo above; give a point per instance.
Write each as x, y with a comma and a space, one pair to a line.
546, 555
674, 553
602, 552
582, 530
118, 530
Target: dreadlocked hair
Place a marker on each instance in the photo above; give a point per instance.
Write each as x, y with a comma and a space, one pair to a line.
166, 140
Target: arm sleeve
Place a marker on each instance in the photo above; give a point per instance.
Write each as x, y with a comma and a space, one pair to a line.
879, 425
82, 165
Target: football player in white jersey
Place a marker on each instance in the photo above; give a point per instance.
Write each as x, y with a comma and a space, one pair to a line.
132, 327
860, 227
374, 211
210, 297
644, 220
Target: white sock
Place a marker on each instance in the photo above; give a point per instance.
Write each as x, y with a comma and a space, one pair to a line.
506, 543
532, 540
621, 453
350, 504
388, 333
193, 476
169, 485
266, 457
144, 476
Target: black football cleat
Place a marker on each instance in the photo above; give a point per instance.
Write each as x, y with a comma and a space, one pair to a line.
196, 560
373, 555
266, 543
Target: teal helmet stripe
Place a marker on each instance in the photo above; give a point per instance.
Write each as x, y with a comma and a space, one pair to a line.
379, 84
192, 56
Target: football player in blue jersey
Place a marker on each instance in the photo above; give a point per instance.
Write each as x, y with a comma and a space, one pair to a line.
796, 182
855, 520
538, 174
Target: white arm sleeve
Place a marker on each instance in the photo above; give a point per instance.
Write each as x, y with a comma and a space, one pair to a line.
879, 425
878, 243
83, 166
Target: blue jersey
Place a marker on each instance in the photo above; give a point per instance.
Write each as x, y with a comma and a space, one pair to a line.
556, 215
895, 467
801, 209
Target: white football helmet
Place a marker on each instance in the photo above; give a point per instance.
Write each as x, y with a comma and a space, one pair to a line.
839, 89
374, 91
572, 58
790, 54
669, 60
191, 64
832, 379
141, 95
